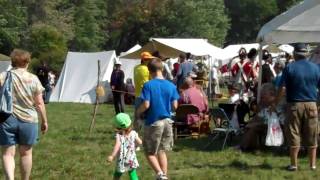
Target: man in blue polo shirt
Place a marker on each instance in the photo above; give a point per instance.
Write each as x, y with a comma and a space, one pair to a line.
159, 100
301, 80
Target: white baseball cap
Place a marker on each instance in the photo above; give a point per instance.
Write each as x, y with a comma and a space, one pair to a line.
118, 62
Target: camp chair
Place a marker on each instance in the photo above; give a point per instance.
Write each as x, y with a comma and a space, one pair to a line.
180, 126
225, 126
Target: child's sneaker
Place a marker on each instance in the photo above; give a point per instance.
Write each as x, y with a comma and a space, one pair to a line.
161, 176
138, 148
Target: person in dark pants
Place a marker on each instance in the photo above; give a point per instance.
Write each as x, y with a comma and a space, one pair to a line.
117, 84
43, 75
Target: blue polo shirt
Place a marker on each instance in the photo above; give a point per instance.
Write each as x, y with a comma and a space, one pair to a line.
160, 93
302, 80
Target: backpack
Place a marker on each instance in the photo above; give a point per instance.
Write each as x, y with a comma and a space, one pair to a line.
6, 107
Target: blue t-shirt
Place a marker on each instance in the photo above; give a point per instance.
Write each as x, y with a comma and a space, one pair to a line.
301, 79
160, 93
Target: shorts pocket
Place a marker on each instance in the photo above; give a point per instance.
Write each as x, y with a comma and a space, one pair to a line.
312, 112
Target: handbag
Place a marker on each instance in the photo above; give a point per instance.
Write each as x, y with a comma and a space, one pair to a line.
6, 107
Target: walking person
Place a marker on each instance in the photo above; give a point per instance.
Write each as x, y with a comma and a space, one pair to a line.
185, 68
117, 86
21, 128
160, 98
141, 76
301, 80
43, 75
124, 149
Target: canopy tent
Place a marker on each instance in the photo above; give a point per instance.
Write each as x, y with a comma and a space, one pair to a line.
78, 79
5, 63
173, 47
129, 64
299, 24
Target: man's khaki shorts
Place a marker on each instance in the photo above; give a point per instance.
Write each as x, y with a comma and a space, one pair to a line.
302, 123
158, 137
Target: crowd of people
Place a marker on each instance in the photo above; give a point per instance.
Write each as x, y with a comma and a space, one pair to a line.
157, 93
288, 98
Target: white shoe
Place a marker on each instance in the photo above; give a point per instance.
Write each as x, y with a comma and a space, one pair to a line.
161, 176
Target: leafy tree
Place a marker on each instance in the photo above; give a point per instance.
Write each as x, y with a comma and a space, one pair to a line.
89, 19
136, 21
48, 45
247, 17
12, 24
57, 13
286, 4
199, 19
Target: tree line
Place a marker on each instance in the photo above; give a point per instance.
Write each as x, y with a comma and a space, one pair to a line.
49, 28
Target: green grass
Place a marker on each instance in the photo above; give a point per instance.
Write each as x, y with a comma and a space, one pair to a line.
68, 152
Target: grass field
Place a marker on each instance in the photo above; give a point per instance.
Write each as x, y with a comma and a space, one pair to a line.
68, 152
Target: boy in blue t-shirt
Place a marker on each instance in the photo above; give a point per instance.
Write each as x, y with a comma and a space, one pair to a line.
160, 98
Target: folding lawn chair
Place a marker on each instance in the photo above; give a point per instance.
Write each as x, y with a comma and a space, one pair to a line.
180, 126
226, 127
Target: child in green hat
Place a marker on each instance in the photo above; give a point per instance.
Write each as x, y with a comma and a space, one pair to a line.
124, 148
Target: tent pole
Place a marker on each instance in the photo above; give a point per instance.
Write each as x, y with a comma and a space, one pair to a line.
95, 109
260, 73
210, 80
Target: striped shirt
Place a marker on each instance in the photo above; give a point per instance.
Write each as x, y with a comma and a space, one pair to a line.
26, 86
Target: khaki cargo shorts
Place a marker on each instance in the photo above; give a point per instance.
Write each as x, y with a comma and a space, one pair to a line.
158, 136
302, 123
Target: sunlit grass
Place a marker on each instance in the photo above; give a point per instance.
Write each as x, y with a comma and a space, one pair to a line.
68, 152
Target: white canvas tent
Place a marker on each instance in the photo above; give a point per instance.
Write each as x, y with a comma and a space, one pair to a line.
131, 50
299, 24
5, 63
173, 47
78, 79
5, 66
129, 64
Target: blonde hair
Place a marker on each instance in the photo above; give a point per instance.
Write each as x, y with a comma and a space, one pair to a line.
20, 58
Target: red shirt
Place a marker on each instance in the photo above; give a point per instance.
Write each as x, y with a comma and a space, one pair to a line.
247, 69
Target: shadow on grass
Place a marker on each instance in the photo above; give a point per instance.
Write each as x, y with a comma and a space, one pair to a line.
237, 164
206, 144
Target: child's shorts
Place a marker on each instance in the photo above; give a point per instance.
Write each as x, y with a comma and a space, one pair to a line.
132, 174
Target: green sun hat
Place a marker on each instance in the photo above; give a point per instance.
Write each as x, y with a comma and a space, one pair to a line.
122, 121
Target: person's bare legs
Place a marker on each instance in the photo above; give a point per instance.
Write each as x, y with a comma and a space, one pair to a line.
294, 151
312, 151
25, 161
154, 163
8, 153
163, 162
